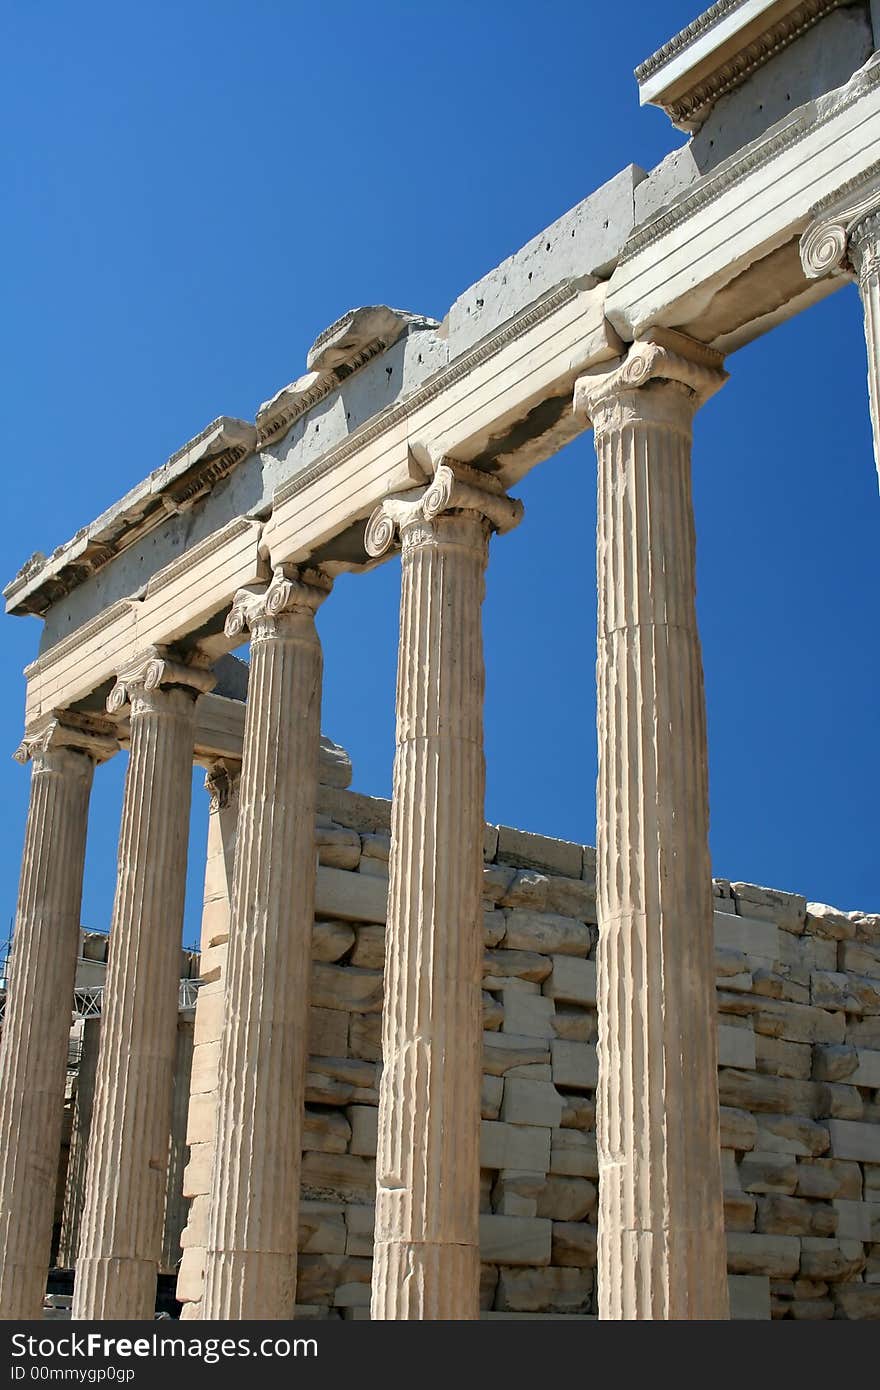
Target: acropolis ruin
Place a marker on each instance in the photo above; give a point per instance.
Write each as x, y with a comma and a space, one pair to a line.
433, 1068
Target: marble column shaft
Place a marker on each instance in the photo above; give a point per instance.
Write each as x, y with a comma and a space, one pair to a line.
426, 1262
33, 1058
661, 1233
121, 1231
77, 1163
250, 1261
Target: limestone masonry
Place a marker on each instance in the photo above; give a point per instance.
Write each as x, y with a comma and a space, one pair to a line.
421, 1084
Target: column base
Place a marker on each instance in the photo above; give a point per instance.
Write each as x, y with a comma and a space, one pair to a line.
425, 1282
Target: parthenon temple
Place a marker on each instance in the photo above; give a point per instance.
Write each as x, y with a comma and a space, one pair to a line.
439, 1069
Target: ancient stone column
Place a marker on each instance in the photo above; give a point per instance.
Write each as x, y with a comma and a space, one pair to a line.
250, 1261
426, 1262
42, 969
844, 238
661, 1232
176, 1204
121, 1231
77, 1163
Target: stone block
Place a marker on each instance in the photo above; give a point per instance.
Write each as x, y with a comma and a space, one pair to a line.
573, 1154
834, 989
205, 1065
491, 1091
501, 966
768, 1172
858, 1301
778, 1057
325, 1131
574, 1244
571, 897
494, 926
515, 1240
855, 1140
338, 1177
197, 1173
736, 1047
364, 1121
824, 921
328, 1032
566, 1198
572, 981
376, 846
547, 1290
365, 1036
836, 1062
739, 1212
579, 1112
521, 1146
857, 1220
497, 879
502, 1051
369, 947
351, 897
752, 1091
867, 1072
788, 910
794, 1216
493, 1012
575, 1024
575, 1065
791, 1134
528, 851
780, 1018
547, 933
345, 987
531, 1103
338, 847
527, 1015
754, 1253
201, 1118
749, 1296
858, 958
321, 1228
359, 1224
832, 1260
739, 1128
751, 936
528, 889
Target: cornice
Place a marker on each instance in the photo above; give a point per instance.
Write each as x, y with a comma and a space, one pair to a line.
187, 476
722, 62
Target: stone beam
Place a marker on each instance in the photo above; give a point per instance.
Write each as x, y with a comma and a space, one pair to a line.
718, 235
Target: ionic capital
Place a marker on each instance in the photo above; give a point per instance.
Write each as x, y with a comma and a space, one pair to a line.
844, 234
662, 356
291, 592
143, 679
222, 781
456, 489
48, 742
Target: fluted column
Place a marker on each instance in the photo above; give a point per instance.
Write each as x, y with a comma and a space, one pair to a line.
176, 1204
661, 1233
121, 1232
844, 239
77, 1163
426, 1259
33, 1057
250, 1261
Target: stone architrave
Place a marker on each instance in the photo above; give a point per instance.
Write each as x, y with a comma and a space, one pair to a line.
426, 1254
844, 237
250, 1260
42, 969
661, 1232
121, 1228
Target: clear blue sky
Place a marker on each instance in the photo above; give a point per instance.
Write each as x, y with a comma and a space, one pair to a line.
195, 190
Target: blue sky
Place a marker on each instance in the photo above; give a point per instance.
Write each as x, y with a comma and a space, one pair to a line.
197, 190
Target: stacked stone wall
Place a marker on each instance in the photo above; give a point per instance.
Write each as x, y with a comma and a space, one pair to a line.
799, 1077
